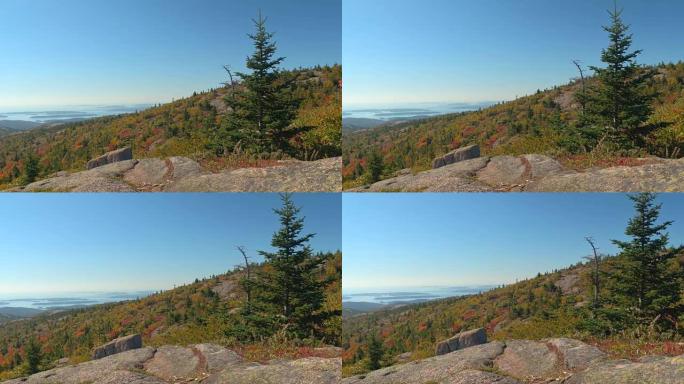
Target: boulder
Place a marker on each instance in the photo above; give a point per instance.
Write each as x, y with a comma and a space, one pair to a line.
457, 155
527, 360
462, 340
147, 172
119, 345
111, 157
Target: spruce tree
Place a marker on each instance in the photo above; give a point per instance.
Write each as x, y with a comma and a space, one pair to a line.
263, 104
647, 278
30, 169
288, 291
33, 356
618, 105
375, 353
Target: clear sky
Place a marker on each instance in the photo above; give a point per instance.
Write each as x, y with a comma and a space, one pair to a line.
85, 52
456, 239
131, 242
403, 51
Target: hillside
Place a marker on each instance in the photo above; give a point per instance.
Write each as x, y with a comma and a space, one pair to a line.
550, 305
542, 123
184, 127
205, 311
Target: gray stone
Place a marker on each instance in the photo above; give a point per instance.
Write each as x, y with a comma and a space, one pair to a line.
664, 176
576, 355
457, 155
147, 172
462, 340
312, 370
527, 360
438, 369
663, 370
503, 171
174, 363
119, 345
217, 358
111, 157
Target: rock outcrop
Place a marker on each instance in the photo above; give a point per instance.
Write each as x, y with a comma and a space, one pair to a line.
181, 174
558, 360
462, 340
459, 154
121, 154
535, 173
119, 345
202, 363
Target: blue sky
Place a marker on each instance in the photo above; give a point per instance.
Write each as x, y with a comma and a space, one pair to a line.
405, 51
84, 52
130, 242
457, 239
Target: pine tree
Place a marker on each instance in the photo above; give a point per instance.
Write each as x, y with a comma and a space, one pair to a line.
647, 279
619, 104
288, 291
263, 104
375, 353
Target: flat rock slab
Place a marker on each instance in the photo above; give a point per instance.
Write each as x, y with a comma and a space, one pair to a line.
111, 157
93, 371
575, 354
527, 360
455, 177
181, 174
478, 377
459, 154
658, 370
313, 370
438, 369
174, 363
216, 358
666, 176
503, 171
289, 176
107, 178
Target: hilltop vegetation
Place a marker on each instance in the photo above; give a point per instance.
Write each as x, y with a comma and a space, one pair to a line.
242, 310
560, 303
625, 110
227, 127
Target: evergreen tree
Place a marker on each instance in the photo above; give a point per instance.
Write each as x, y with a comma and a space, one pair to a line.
375, 166
619, 104
647, 278
375, 353
30, 169
33, 356
289, 291
263, 104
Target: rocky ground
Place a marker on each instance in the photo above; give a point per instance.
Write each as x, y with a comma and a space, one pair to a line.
181, 174
535, 173
558, 360
201, 363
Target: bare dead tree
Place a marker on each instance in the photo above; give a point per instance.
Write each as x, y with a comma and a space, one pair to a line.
595, 260
248, 278
578, 64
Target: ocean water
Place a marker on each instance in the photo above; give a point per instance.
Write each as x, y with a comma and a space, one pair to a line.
58, 301
403, 111
71, 112
399, 296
